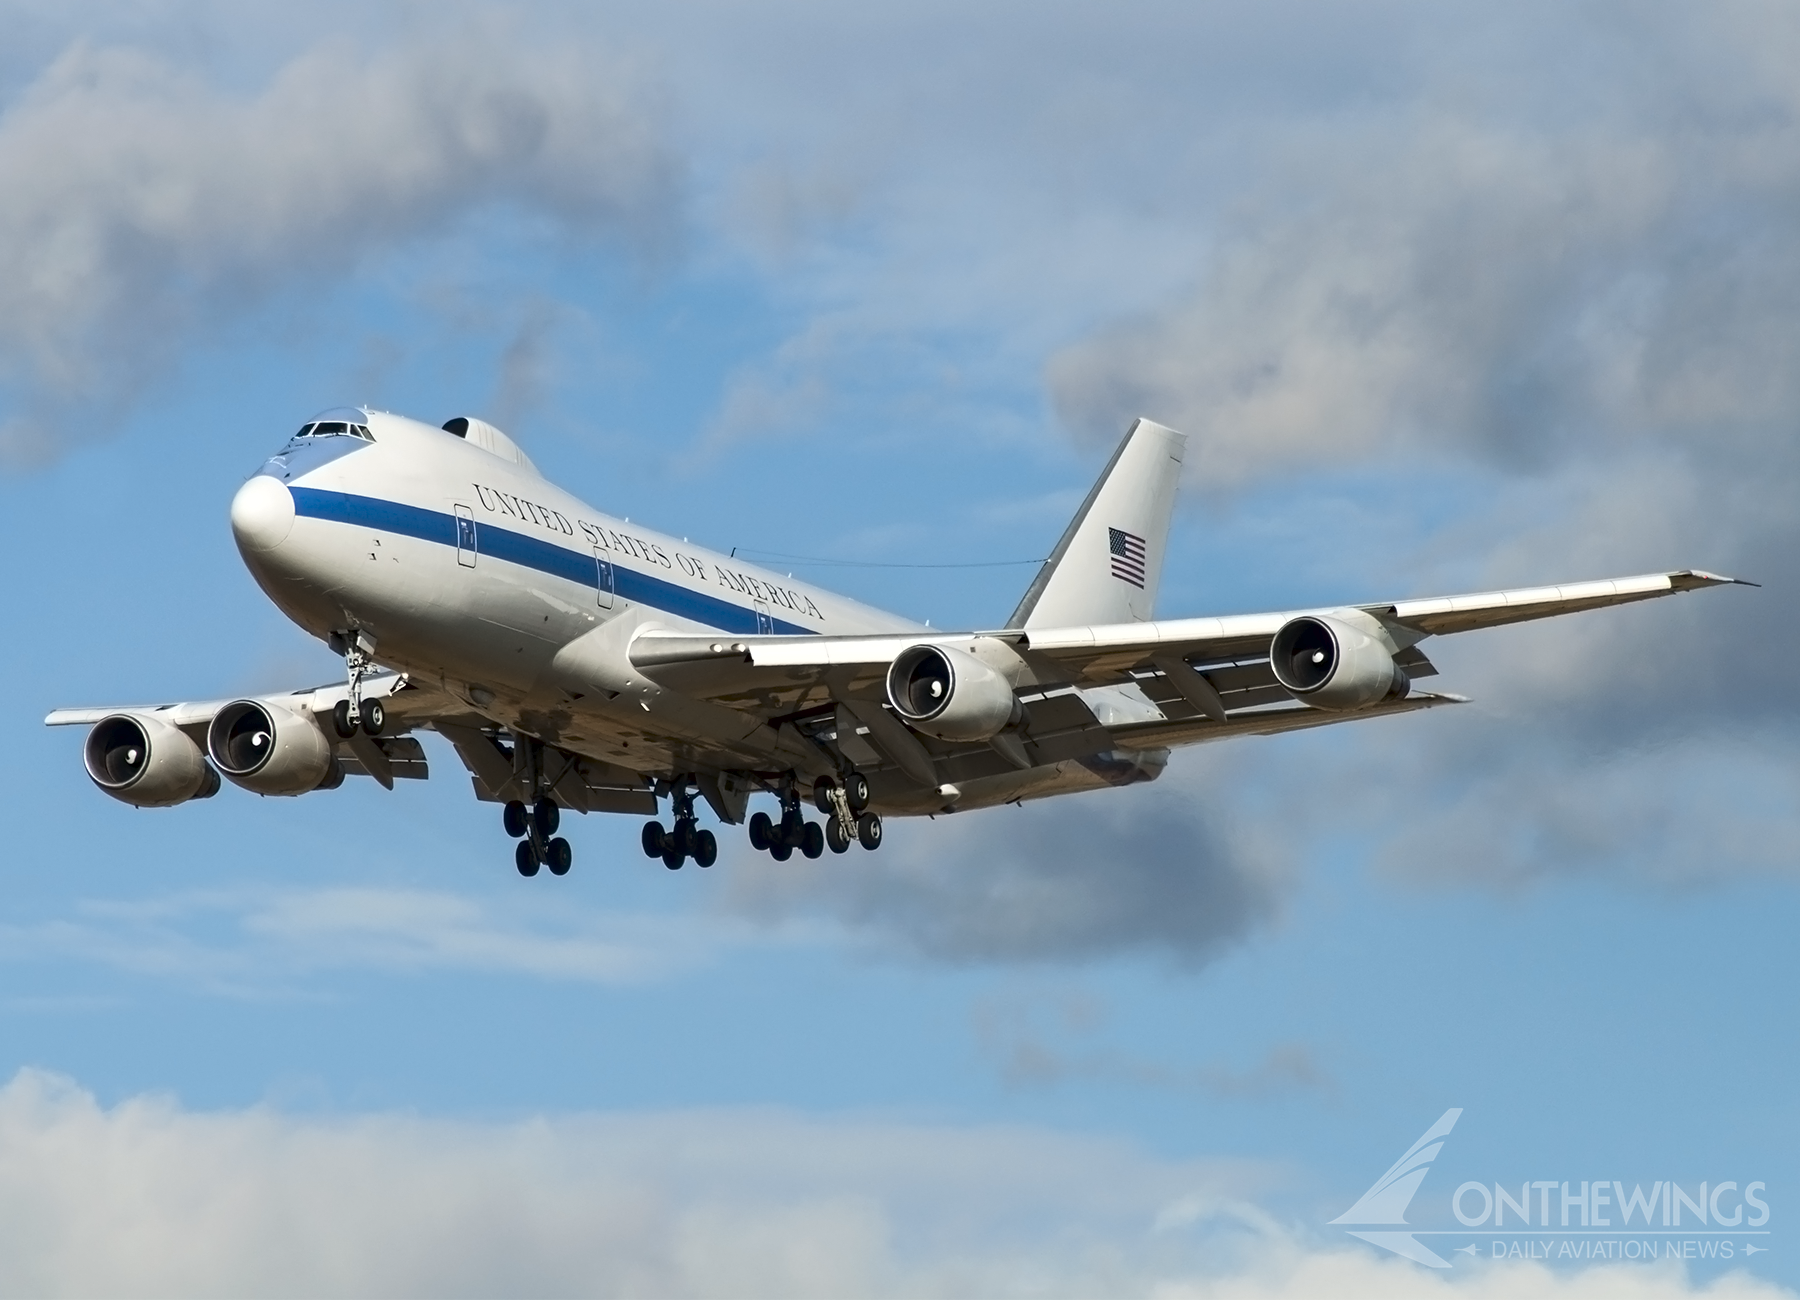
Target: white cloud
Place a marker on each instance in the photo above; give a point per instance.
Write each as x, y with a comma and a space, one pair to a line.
251, 943
147, 1198
139, 204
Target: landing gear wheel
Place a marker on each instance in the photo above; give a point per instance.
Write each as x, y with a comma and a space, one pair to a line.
546, 816
762, 831
561, 857
525, 856
374, 717
812, 840
856, 793
514, 819
653, 839
868, 831
781, 852
672, 856
822, 789
340, 720
835, 839
793, 828
706, 849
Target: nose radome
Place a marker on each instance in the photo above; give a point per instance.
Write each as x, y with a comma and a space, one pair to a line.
262, 513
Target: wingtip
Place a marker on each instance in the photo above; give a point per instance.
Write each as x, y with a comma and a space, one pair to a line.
1690, 579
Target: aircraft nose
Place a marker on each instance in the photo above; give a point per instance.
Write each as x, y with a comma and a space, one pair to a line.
262, 513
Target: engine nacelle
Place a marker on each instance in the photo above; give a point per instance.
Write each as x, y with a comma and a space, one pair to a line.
145, 762
950, 694
268, 749
1332, 663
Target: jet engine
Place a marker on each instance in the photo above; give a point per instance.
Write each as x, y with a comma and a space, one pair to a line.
1332, 663
950, 694
268, 749
147, 763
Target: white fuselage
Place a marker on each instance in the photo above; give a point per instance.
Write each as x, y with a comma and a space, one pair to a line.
474, 574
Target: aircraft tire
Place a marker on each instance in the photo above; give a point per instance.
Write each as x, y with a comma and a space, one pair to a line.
513, 818
835, 839
762, 831
652, 839
812, 841
547, 816
856, 793
374, 717
706, 849
868, 831
525, 858
340, 720
561, 857
673, 857
822, 794
781, 852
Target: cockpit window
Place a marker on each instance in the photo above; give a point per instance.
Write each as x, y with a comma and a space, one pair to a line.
335, 429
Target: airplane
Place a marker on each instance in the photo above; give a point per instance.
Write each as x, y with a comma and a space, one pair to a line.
576, 661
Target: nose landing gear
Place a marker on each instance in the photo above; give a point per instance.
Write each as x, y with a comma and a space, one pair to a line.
358, 649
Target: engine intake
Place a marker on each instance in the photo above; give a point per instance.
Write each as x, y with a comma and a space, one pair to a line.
147, 763
268, 749
1332, 663
950, 694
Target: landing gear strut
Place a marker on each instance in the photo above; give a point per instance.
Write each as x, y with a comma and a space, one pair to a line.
534, 830
347, 715
847, 817
686, 841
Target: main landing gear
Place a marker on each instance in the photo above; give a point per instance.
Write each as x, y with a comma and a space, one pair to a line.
847, 818
534, 828
686, 841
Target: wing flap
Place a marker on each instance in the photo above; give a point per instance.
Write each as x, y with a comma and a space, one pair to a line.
1265, 722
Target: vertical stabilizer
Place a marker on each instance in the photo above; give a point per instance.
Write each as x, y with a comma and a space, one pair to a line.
1106, 567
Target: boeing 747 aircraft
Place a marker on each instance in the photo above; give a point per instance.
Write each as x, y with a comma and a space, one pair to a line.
577, 661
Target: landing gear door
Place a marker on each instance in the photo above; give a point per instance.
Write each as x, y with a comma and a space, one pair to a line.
465, 537
604, 577
765, 621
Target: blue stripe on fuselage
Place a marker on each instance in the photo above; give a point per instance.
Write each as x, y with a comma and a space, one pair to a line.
495, 543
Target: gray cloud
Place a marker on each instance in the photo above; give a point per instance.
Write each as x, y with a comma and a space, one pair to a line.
1568, 288
1146, 870
1042, 1041
138, 204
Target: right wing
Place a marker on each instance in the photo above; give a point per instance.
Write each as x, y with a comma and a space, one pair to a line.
1207, 678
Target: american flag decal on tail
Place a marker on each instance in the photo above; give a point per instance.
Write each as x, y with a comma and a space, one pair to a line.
1127, 555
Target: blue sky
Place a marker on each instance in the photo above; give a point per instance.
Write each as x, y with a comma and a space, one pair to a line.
1443, 302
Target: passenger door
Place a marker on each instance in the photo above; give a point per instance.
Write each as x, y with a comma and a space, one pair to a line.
465, 536
605, 578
